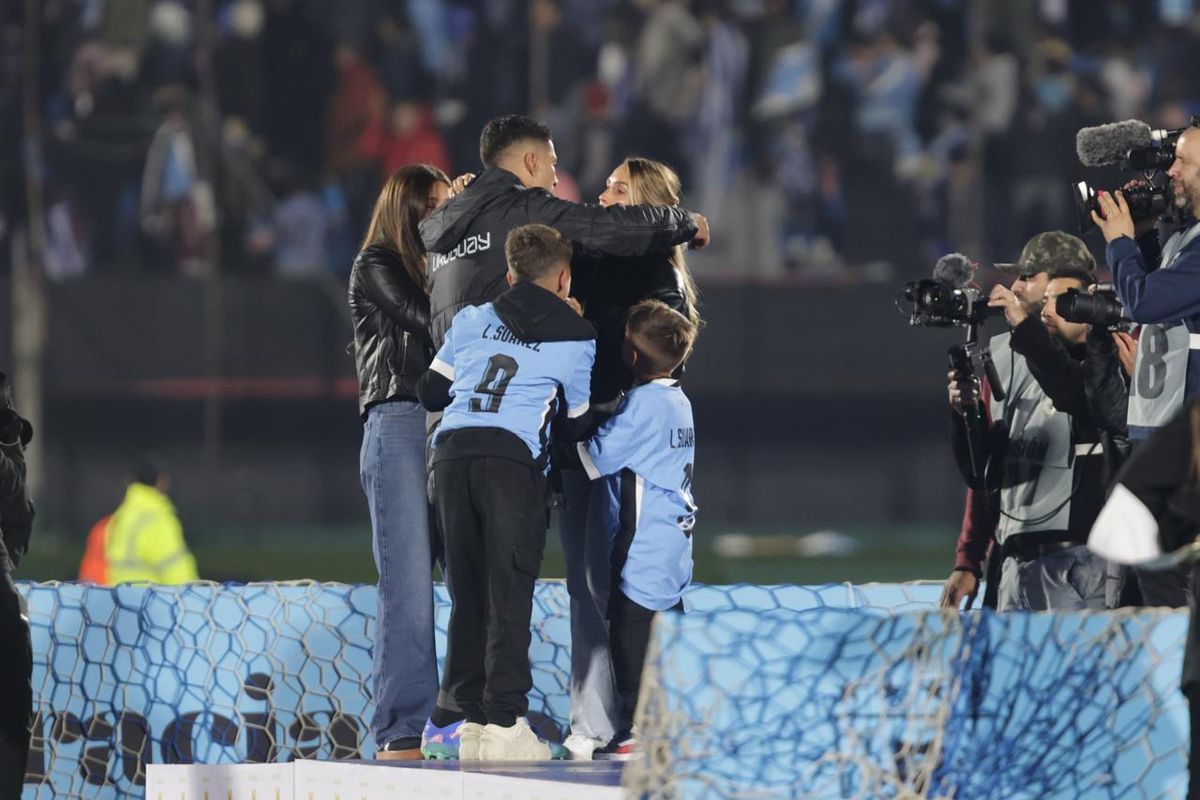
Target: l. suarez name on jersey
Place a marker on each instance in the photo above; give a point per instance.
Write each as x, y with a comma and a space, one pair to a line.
501, 333
682, 437
468, 246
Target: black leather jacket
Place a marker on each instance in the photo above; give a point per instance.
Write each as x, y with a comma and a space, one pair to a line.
392, 348
465, 237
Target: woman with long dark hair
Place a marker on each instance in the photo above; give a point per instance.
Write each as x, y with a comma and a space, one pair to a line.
389, 302
608, 287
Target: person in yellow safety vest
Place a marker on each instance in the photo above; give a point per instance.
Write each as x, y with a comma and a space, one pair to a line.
145, 539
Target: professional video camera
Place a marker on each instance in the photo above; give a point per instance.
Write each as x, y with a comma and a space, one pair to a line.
1101, 310
949, 301
1145, 202
1129, 145
941, 305
946, 300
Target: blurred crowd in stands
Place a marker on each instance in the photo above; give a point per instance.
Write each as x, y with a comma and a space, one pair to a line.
823, 138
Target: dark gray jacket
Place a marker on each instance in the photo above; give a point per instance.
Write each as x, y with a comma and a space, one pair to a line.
465, 237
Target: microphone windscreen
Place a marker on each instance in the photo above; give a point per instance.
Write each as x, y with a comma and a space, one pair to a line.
1104, 145
954, 269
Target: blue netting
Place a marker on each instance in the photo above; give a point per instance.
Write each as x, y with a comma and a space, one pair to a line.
271, 672
855, 704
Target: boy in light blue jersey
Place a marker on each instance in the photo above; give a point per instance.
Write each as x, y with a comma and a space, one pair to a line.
502, 372
644, 456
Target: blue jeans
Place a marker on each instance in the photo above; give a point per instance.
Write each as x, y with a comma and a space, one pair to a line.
392, 467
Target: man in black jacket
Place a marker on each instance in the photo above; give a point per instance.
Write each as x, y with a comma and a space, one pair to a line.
16, 665
465, 236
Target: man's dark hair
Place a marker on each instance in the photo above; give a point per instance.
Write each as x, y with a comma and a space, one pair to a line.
1078, 273
147, 468
502, 132
534, 250
661, 335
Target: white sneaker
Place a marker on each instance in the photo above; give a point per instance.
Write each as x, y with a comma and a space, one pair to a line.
581, 747
516, 743
468, 741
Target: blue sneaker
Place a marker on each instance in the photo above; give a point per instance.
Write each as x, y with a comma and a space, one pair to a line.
458, 740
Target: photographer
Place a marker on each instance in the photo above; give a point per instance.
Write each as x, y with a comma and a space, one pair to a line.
16, 667
1160, 288
1044, 442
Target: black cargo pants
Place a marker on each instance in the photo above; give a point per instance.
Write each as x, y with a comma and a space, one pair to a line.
492, 512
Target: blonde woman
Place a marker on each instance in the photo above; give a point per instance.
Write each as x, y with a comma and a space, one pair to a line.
608, 287
617, 284
389, 303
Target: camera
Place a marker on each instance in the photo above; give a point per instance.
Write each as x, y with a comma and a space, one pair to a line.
936, 304
947, 300
1101, 310
1129, 145
1152, 158
12, 425
950, 300
1145, 202
1157, 154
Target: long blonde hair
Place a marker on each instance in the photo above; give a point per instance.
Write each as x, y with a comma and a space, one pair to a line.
398, 211
654, 183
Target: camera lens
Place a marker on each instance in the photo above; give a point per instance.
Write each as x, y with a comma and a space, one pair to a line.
1141, 158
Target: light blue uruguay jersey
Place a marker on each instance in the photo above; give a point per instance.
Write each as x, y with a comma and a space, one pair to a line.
500, 381
650, 442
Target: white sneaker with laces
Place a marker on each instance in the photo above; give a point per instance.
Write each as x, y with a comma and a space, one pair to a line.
468, 741
581, 747
516, 743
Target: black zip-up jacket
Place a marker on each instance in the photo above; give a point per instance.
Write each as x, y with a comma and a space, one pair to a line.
534, 315
465, 237
392, 348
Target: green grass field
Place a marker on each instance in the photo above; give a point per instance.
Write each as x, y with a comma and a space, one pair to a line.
889, 554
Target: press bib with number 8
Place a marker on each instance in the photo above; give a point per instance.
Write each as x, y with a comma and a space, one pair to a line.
1159, 375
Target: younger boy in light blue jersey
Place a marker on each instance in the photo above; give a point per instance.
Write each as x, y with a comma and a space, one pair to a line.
503, 370
644, 456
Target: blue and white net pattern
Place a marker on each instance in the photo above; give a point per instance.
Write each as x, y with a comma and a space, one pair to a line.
834, 691
829, 703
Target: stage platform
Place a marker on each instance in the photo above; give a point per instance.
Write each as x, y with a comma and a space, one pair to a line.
385, 780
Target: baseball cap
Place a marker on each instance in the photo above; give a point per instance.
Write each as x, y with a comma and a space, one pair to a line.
1049, 251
